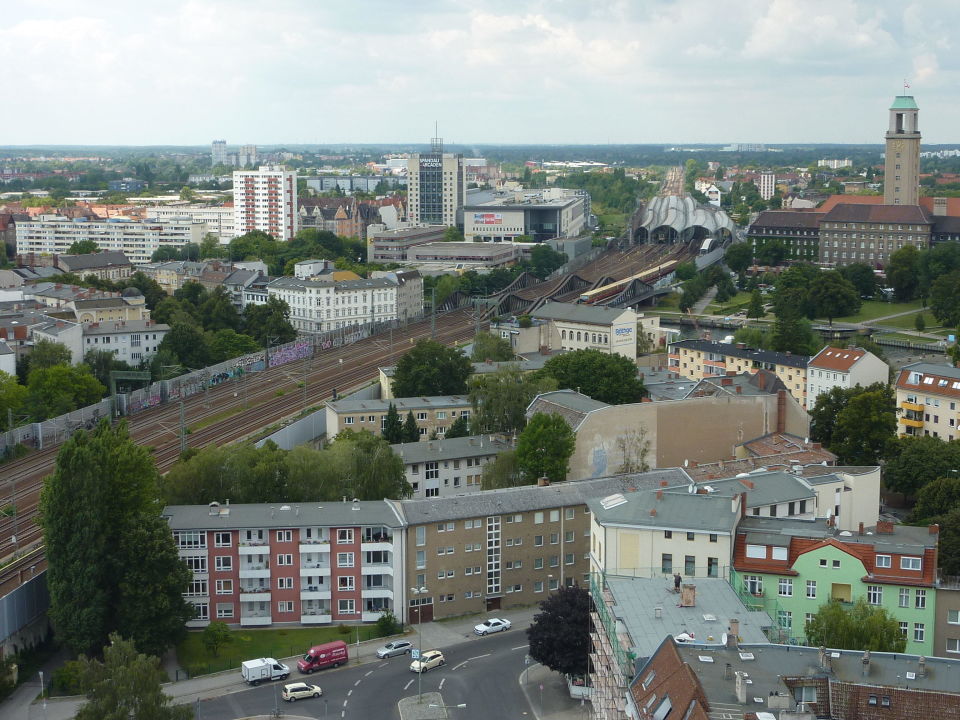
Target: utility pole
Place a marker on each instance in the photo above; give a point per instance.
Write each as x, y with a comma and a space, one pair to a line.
433, 313
183, 429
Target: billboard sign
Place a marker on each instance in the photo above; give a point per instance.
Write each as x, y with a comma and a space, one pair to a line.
487, 219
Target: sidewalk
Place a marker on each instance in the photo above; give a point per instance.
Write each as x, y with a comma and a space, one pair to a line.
547, 694
437, 634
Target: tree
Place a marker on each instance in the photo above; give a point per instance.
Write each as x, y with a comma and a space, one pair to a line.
771, 253
919, 323
862, 627
216, 635
686, 270
559, 635
269, 323
913, 462
126, 685
13, 395
792, 333
502, 472
487, 346
500, 399
544, 448
171, 311
368, 468
544, 260
605, 377
227, 344
903, 272
217, 311
864, 427
755, 309
949, 542
937, 497
431, 369
862, 277
46, 354
739, 257
458, 428
189, 345
54, 391
792, 295
210, 247
452, 234
411, 433
945, 299
833, 295
83, 247
112, 562
393, 426
823, 415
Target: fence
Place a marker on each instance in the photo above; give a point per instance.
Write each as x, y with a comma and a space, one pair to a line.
55, 430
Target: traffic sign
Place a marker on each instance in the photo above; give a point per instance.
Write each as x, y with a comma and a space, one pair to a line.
414, 654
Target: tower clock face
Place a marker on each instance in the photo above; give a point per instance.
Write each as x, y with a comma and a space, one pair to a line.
898, 145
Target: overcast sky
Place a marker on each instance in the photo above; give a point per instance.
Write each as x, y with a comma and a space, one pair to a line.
488, 71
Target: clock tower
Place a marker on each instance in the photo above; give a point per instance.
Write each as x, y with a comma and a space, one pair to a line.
901, 176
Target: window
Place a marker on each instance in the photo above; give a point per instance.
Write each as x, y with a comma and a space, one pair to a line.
284, 559
874, 595
224, 587
538, 586
554, 538
812, 589
345, 560
554, 515
421, 559
713, 537
568, 536
553, 584
197, 564
691, 536
554, 560
757, 551
883, 561
569, 559
568, 513
823, 562
538, 518
666, 563
904, 628
344, 536
753, 584
285, 583
909, 563
284, 535
904, 597
421, 535
953, 645
953, 617
222, 539
538, 563
224, 610
919, 631
668, 534
346, 606
196, 587
189, 540
345, 582
778, 553
785, 619
836, 564
785, 587
920, 600
223, 563
445, 527
807, 618
713, 565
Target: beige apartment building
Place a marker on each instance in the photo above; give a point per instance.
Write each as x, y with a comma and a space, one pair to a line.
927, 398
500, 549
704, 359
433, 414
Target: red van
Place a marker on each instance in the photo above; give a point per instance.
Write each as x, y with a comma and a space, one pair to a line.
331, 654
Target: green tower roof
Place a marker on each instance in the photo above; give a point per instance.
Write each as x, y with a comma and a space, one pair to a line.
904, 102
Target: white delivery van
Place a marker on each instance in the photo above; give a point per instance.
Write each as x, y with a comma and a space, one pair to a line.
263, 670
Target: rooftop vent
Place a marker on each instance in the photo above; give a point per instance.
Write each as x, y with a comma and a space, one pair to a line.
612, 501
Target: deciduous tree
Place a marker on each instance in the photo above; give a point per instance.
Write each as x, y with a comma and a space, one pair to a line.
500, 399
487, 346
269, 323
945, 299
502, 472
560, 633
834, 296
937, 498
13, 395
53, 391
544, 448
83, 247
862, 277
864, 427
862, 627
430, 368
903, 272
913, 462
458, 428
216, 635
606, 377
189, 344
739, 256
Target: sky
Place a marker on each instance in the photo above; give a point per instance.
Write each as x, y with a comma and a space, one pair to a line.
185, 72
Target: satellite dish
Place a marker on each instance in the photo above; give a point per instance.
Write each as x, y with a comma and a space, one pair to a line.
723, 639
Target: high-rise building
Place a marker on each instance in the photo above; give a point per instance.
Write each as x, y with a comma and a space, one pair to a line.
768, 185
265, 199
901, 176
247, 157
436, 186
218, 152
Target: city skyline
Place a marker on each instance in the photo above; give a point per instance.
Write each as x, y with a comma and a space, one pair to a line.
683, 71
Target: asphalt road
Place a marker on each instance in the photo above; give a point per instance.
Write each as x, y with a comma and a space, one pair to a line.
481, 672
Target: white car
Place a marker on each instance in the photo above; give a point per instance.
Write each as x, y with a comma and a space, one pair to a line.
296, 691
491, 626
428, 660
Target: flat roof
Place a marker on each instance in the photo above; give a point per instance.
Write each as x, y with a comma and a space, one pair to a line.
282, 515
571, 312
670, 510
402, 404
450, 448
769, 488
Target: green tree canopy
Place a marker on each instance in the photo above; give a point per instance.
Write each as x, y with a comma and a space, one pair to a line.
792, 296
503, 472
864, 427
948, 551
500, 399
54, 391
544, 260
102, 363
609, 378
544, 448
189, 345
83, 247
458, 428
739, 256
823, 415
112, 562
937, 497
13, 395
755, 309
46, 354
559, 635
410, 432
217, 311
903, 272
126, 684
913, 462
430, 368
862, 627
269, 323
945, 299
487, 346
227, 344
833, 295
862, 277
393, 426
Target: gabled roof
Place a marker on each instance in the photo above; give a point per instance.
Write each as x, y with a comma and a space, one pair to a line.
570, 312
729, 349
846, 212
93, 261
799, 219
932, 378
572, 406
837, 359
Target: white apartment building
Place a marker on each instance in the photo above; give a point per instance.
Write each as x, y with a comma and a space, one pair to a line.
132, 341
138, 240
928, 398
217, 219
436, 187
218, 152
767, 185
266, 200
844, 368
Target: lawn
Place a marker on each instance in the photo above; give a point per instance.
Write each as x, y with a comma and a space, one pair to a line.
907, 322
738, 302
905, 338
255, 643
872, 309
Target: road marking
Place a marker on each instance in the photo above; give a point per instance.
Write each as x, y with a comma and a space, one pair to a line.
408, 685
369, 673
520, 647
349, 693
479, 656
457, 667
358, 681
441, 684
344, 703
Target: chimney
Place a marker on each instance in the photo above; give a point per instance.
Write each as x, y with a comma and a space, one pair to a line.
726, 381
762, 380
781, 411
663, 483
739, 389
747, 483
741, 346
922, 666
939, 206
824, 659
543, 481
356, 504
733, 632
860, 529
653, 512
884, 527
659, 494
933, 529
688, 595
865, 661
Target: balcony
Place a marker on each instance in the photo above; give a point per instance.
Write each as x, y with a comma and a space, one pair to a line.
314, 567
315, 592
255, 571
383, 546
255, 595
316, 619
370, 616
910, 422
377, 569
261, 549
376, 592
916, 407
308, 547
256, 620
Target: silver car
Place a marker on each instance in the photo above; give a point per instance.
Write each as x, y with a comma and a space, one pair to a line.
397, 647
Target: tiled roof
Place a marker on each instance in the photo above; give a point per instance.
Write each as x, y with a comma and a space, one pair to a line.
837, 359
572, 406
800, 219
831, 202
933, 378
912, 214
671, 678
93, 261
729, 349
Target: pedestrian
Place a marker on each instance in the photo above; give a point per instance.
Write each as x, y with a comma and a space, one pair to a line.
676, 582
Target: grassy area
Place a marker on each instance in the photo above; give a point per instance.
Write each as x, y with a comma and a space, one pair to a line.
905, 337
907, 321
738, 302
873, 309
269, 642
213, 419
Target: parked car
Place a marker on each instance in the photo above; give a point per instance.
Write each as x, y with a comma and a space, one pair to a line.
491, 626
428, 661
298, 690
331, 654
397, 647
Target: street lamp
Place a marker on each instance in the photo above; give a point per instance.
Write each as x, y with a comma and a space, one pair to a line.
43, 695
419, 591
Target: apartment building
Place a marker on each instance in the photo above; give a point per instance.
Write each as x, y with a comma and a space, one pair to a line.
843, 368
946, 633
266, 199
797, 230
705, 358
503, 548
309, 564
433, 414
927, 399
855, 233
136, 239
444, 467
63, 332
588, 327
217, 219
131, 306
791, 567
103, 265
132, 342
436, 187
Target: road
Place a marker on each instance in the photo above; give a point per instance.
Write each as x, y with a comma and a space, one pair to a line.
480, 672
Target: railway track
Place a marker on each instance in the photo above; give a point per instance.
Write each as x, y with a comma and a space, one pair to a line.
223, 414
